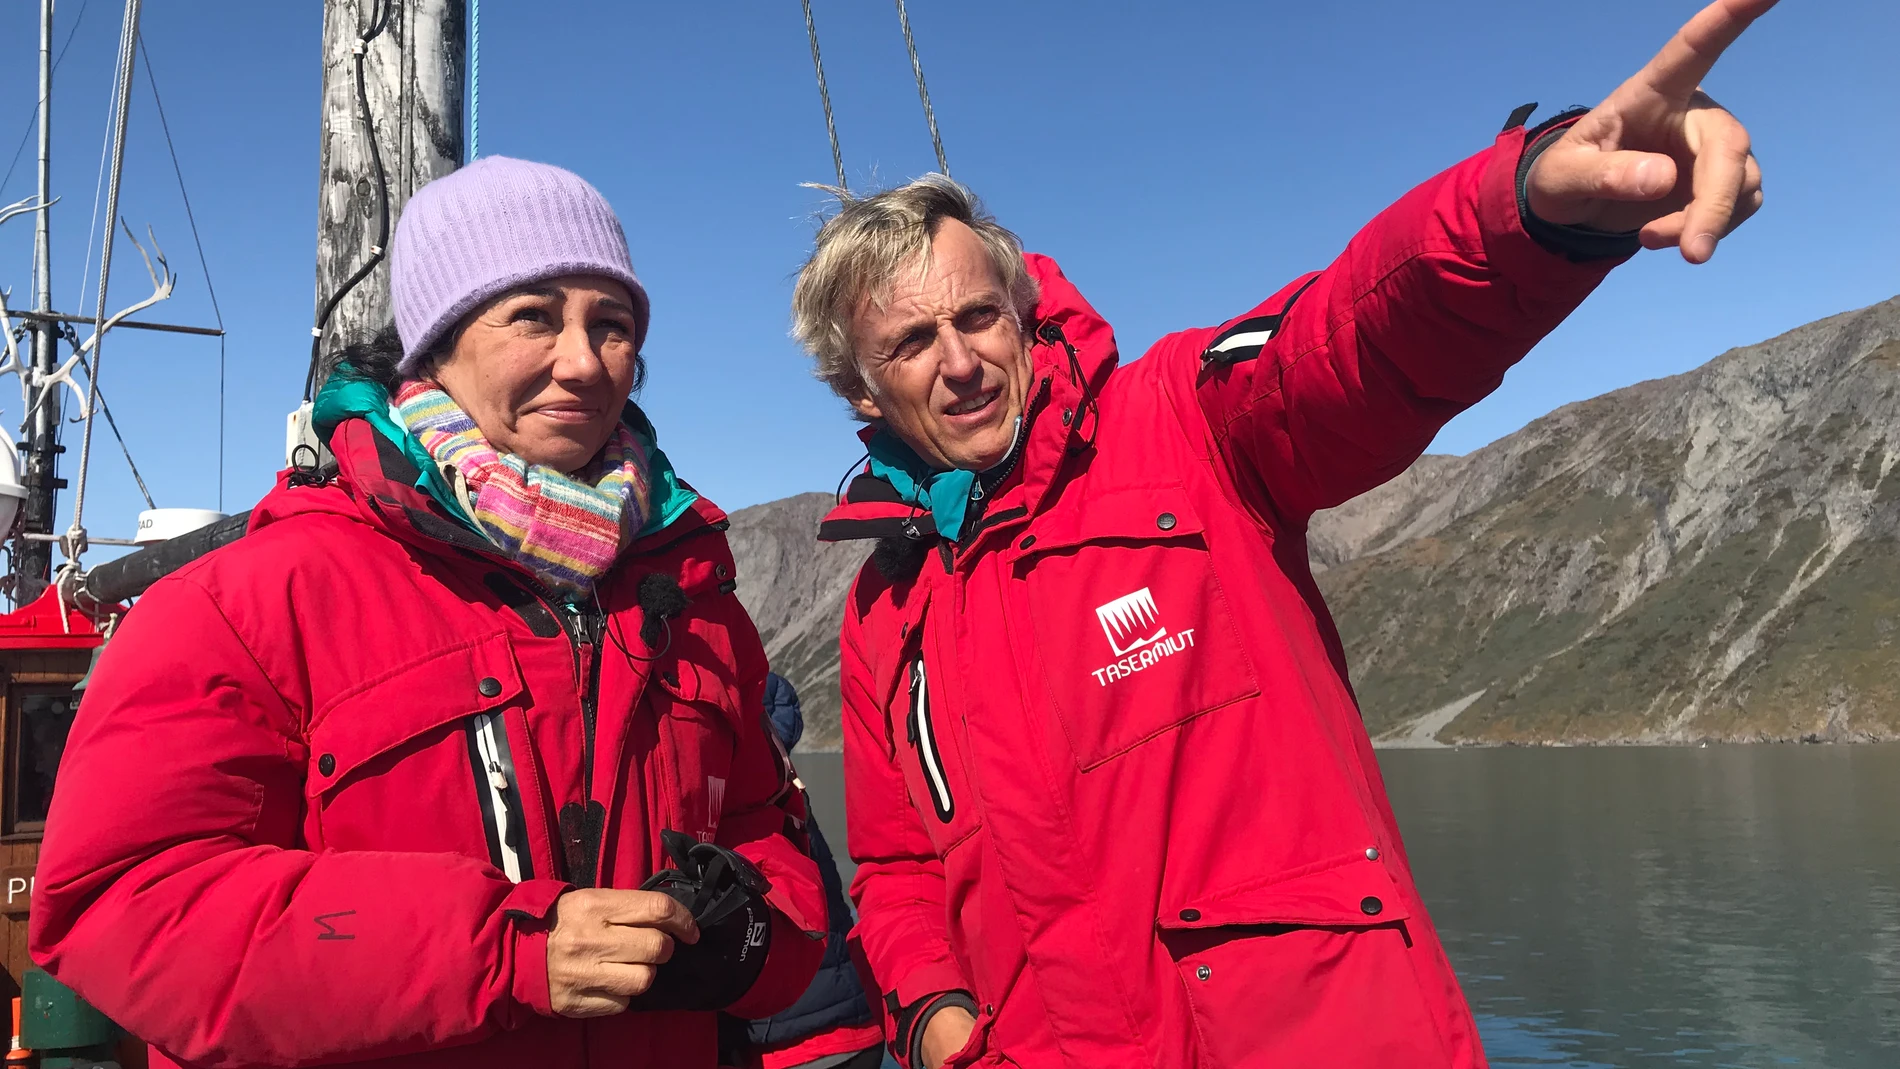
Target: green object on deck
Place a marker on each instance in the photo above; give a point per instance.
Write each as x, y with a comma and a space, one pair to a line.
55, 1021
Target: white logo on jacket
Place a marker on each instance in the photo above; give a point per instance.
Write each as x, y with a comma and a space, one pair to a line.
1136, 635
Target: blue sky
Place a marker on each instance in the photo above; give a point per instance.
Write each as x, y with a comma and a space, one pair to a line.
1181, 160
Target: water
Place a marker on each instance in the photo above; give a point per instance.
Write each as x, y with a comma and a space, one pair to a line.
1731, 906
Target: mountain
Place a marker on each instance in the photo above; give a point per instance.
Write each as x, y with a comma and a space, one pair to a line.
1711, 556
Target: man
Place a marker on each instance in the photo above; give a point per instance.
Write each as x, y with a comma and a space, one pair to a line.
1111, 798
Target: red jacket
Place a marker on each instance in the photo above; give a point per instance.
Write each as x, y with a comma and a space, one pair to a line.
1104, 765
271, 846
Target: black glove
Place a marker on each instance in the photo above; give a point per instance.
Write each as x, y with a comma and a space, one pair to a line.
726, 895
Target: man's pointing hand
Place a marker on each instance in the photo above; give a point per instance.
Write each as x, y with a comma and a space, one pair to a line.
1658, 155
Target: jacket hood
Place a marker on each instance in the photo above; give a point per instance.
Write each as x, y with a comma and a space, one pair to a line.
1073, 353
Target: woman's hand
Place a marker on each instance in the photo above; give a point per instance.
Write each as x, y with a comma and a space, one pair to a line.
946, 1033
607, 945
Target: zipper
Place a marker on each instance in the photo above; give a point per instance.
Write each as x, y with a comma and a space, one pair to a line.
496, 783
923, 736
585, 634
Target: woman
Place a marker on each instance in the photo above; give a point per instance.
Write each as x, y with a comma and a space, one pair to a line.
382, 780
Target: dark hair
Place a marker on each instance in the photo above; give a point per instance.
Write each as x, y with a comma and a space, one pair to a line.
377, 357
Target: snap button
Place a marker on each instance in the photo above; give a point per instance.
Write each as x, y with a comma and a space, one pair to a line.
489, 686
1190, 915
1203, 972
1068, 416
721, 570
1165, 521
326, 764
1028, 540
1372, 853
1371, 906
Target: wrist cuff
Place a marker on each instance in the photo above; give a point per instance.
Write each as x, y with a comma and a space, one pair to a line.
1578, 244
914, 1020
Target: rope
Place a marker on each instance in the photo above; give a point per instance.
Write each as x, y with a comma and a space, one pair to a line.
824, 96
128, 37
930, 117
152, 80
474, 78
379, 20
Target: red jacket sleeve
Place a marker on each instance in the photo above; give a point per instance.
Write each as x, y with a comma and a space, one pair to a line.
1417, 320
762, 806
171, 896
902, 927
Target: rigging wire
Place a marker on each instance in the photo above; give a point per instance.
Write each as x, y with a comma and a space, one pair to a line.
152, 80
31, 119
824, 95
92, 228
129, 462
128, 37
930, 116
474, 79
379, 20
72, 339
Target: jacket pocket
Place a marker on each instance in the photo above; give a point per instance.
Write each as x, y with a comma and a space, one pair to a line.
930, 754
1316, 969
1132, 625
420, 759
698, 713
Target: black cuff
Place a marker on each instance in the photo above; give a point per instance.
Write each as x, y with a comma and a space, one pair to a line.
1578, 244
913, 1020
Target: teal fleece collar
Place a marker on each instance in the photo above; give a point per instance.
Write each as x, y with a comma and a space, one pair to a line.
946, 494
346, 394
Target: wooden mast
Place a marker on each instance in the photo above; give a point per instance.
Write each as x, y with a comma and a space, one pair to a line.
414, 69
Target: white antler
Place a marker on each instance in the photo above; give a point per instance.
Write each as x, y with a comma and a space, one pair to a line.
163, 280
10, 364
21, 207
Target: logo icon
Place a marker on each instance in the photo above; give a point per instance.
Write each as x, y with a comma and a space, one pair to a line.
1131, 622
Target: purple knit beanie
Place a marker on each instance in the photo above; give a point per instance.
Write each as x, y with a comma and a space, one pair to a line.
496, 224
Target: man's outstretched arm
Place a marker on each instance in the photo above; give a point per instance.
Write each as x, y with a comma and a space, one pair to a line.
1339, 381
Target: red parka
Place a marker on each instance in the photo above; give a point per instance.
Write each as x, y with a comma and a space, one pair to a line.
1103, 764
328, 782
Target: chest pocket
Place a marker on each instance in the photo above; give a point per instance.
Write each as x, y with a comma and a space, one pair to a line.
1132, 625
930, 745
421, 759
699, 738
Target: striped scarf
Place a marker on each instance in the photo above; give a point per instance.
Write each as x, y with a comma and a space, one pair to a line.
565, 530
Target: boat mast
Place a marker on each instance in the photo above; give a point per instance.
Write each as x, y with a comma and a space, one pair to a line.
34, 559
412, 69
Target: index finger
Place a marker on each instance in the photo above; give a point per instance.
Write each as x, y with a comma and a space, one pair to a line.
1679, 68
653, 909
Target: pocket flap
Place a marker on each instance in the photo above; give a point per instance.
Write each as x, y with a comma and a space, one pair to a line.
691, 682
1140, 514
1356, 893
438, 688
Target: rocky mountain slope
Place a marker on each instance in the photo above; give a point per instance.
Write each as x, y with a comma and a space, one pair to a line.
1710, 556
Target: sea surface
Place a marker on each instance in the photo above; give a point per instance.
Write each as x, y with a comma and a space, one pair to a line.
1720, 906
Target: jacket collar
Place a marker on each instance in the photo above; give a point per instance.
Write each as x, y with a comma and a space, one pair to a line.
403, 489
1073, 353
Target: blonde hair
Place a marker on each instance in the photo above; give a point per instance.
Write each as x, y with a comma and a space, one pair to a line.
862, 247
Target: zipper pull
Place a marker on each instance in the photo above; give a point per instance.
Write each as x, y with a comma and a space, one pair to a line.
916, 681
586, 624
